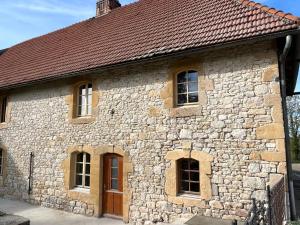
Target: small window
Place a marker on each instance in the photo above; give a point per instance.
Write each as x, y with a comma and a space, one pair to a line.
189, 176
1, 162
3, 107
187, 88
83, 170
84, 101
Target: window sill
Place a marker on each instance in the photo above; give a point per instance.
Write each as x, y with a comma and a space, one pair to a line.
81, 190
191, 196
83, 120
186, 110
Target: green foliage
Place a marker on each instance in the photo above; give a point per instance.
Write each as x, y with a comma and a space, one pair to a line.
294, 223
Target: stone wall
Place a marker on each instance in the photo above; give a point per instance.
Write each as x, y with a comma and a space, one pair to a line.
238, 122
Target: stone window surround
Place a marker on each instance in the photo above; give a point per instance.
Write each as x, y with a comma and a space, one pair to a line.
4, 164
169, 93
72, 102
172, 176
94, 196
8, 112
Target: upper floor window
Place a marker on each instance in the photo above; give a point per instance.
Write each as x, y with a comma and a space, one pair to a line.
84, 101
3, 107
1, 161
83, 169
187, 88
189, 176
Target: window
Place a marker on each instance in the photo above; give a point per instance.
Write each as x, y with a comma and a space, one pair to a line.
187, 88
189, 176
114, 173
3, 106
84, 107
1, 162
83, 168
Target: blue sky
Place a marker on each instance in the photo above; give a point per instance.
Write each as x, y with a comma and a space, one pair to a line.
21, 20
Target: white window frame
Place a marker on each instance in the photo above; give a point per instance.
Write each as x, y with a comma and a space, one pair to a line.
83, 174
187, 88
87, 104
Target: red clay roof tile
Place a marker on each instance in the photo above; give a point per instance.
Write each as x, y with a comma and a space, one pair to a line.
139, 30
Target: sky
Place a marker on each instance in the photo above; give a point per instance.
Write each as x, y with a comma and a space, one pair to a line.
21, 20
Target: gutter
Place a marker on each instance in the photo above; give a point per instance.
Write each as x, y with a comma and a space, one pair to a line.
282, 62
155, 58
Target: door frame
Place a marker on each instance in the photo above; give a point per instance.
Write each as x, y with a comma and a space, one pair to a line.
106, 169
127, 168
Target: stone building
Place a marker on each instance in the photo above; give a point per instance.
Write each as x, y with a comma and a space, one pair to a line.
151, 111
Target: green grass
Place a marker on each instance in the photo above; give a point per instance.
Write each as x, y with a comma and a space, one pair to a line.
294, 223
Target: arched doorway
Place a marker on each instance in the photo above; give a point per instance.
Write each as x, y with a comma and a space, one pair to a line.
113, 185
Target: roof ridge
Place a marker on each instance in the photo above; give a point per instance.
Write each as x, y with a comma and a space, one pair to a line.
273, 11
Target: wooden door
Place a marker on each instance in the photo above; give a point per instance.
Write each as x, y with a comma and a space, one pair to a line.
113, 185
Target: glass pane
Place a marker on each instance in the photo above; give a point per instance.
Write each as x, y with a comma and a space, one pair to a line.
87, 181
182, 99
83, 106
79, 180
89, 100
184, 175
80, 157
89, 110
193, 76
114, 162
195, 187
184, 186
182, 88
82, 90
184, 164
114, 172
114, 184
193, 87
193, 97
87, 168
79, 168
88, 158
194, 176
182, 77
90, 89
194, 165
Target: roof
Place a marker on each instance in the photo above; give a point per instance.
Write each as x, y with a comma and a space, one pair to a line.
143, 29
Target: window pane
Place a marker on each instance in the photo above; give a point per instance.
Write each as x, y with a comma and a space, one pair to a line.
79, 168
193, 97
182, 88
182, 99
182, 77
184, 175
194, 165
87, 181
193, 76
79, 180
90, 89
114, 162
89, 100
3, 109
87, 168
184, 164
82, 90
114, 172
88, 158
80, 157
114, 184
195, 187
83, 106
193, 87
194, 176
89, 110
184, 186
